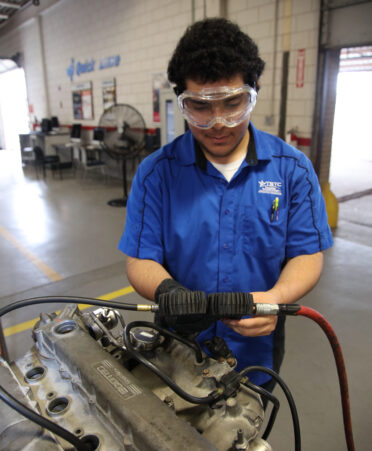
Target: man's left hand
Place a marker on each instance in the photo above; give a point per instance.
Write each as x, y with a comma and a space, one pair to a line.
258, 325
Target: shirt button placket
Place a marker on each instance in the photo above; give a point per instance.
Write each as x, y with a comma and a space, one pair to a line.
226, 240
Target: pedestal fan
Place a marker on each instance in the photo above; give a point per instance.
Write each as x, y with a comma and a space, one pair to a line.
124, 138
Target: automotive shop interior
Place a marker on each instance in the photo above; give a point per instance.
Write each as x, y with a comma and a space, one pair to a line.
94, 129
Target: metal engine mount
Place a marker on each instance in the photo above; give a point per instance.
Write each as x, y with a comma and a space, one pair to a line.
79, 375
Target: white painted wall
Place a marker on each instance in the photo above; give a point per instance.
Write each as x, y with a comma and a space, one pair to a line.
144, 33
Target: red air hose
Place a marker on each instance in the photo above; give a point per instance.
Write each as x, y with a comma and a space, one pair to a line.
341, 370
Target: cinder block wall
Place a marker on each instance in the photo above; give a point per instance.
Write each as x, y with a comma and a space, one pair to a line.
297, 24
304, 35
144, 34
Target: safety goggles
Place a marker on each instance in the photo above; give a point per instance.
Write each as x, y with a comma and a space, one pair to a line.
225, 105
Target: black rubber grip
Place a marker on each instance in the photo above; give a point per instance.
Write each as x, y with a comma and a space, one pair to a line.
225, 305
182, 303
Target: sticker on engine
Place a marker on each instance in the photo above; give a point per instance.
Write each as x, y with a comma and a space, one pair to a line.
118, 381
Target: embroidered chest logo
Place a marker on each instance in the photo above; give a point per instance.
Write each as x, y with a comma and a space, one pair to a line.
270, 187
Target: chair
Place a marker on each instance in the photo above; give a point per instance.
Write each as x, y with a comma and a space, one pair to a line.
55, 123
74, 144
152, 140
75, 136
51, 162
92, 153
27, 154
46, 125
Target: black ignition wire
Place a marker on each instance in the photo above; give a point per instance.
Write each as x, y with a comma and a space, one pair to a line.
211, 398
43, 422
276, 405
288, 395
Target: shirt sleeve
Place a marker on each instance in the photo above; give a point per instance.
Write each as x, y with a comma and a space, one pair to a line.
142, 237
308, 230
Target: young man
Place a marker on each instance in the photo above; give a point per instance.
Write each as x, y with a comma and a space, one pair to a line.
226, 207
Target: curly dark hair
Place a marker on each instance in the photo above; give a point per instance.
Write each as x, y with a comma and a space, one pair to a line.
214, 49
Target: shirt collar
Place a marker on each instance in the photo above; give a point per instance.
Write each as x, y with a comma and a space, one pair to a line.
255, 153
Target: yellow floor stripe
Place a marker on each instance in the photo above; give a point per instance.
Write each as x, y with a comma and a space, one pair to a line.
117, 293
40, 265
12, 330
110, 296
20, 327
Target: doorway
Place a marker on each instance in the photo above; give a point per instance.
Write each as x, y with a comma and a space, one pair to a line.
14, 118
351, 157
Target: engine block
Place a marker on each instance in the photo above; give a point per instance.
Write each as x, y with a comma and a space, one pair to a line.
79, 375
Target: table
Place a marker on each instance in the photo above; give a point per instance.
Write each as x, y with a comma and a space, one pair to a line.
47, 141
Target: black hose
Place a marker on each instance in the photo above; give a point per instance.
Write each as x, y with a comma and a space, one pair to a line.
65, 300
41, 421
276, 405
211, 398
191, 344
292, 405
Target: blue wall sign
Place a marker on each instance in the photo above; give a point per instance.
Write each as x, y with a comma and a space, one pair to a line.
110, 61
82, 68
89, 66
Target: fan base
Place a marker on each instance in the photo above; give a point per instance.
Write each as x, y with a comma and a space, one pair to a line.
122, 202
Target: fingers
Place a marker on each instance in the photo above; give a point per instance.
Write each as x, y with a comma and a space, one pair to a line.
252, 327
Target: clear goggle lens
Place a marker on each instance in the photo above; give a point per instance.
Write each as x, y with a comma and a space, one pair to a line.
225, 105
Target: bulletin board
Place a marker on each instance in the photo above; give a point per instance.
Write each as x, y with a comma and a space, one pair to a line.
82, 100
108, 93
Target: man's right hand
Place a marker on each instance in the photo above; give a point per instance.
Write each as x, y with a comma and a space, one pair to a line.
168, 286
184, 324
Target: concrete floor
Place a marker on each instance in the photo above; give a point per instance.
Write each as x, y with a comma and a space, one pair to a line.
67, 225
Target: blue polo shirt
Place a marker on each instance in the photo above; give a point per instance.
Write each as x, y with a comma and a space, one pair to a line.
218, 236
